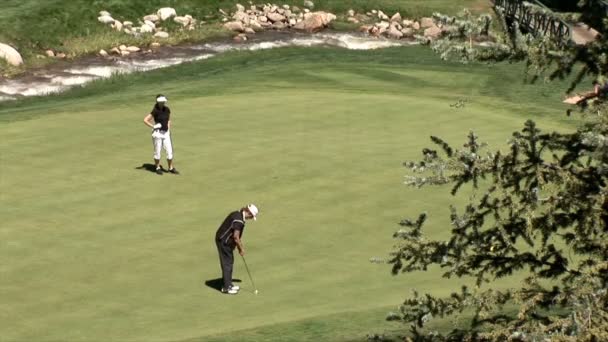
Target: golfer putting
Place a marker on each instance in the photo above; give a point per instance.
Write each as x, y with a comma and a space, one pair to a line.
228, 237
161, 135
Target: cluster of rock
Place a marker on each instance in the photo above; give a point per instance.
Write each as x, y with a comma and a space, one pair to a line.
397, 27
149, 24
270, 16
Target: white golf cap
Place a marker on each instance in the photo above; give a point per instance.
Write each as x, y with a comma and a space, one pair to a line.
253, 210
161, 99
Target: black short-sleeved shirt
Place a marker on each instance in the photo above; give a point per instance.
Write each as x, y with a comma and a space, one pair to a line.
234, 221
161, 116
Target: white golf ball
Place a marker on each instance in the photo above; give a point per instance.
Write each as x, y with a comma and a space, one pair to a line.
256, 291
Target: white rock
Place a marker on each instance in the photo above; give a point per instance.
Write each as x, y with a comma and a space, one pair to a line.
182, 20
146, 29
383, 25
292, 22
127, 31
275, 17
242, 17
249, 30
152, 17
149, 23
393, 32
306, 10
104, 14
432, 32
166, 13
309, 4
234, 26
408, 32
286, 7
427, 22
115, 51
106, 19
103, 53
263, 19
133, 49
117, 25
396, 17
155, 45
407, 23
61, 55
374, 12
296, 9
382, 16
240, 8
161, 34
351, 13
123, 47
315, 21
124, 53
127, 24
49, 53
254, 24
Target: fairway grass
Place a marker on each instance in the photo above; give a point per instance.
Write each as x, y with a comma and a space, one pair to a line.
95, 249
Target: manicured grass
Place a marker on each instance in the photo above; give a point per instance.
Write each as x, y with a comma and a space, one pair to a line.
94, 249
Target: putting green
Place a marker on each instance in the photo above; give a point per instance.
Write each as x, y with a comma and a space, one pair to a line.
94, 249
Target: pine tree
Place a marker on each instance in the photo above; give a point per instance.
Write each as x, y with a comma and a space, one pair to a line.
542, 208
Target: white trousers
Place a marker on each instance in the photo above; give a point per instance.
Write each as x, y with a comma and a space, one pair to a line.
162, 139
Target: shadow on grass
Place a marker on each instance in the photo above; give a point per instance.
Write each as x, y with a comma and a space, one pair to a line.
147, 167
218, 283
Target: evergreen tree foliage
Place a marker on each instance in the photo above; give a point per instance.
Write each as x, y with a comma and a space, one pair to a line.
541, 208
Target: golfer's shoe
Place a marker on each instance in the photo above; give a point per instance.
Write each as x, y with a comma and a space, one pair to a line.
174, 171
235, 287
230, 291
159, 171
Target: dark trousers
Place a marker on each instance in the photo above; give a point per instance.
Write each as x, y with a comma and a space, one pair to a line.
226, 262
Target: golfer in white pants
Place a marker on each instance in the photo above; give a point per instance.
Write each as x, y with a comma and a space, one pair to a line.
161, 135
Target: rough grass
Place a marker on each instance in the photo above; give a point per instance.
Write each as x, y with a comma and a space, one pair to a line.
94, 249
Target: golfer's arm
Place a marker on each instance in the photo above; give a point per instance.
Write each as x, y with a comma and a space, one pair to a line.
148, 121
169, 124
237, 239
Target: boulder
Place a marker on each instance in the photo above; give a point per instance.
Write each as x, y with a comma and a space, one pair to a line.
382, 16
161, 34
103, 53
393, 32
353, 20
123, 47
182, 20
275, 17
416, 25
11, 55
133, 49
292, 22
286, 7
149, 23
407, 23
397, 17
115, 51
234, 26
432, 32
249, 30
315, 21
426, 23
351, 13
383, 25
408, 32
106, 19
309, 4
306, 10
124, 53
152, 17
263, 19
254, 24
166, 13
49, 53
240, 8
104, 14
279, 25
117, 25
127, 24
242, 17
